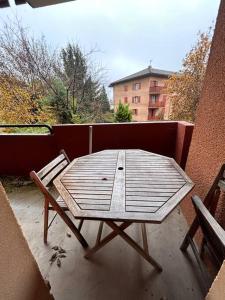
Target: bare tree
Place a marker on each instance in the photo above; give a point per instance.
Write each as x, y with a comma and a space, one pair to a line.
30, 61
25, 58
68, 77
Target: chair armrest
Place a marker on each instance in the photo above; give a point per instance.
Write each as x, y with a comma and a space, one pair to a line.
215, 226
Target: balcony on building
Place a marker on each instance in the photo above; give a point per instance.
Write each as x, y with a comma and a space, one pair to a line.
156, 104
153, 117
155, 88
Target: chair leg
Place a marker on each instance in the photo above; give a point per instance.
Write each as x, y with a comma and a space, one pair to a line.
200, 263
71, 225
74, 229
202, 248
67, 220
46, 213
190, 234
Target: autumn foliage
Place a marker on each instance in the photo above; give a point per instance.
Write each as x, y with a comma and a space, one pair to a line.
16, 105
184, 88
39, 84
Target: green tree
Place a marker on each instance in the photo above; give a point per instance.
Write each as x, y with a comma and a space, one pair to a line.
75, 72
98, 103
90, 97
184, 88
58, 100
89, 100
123, 113
104, 100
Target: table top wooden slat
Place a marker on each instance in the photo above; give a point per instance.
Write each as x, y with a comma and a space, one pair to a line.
123, 185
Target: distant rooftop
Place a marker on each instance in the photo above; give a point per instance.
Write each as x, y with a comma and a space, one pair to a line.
144, 73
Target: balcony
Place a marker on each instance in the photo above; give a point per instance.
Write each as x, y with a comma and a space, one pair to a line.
156, 89
153, 118
128, 275
117, 272
156, 104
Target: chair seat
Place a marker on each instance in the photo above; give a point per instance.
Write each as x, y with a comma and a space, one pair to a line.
61, 203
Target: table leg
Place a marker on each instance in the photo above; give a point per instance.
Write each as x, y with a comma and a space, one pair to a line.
144, 236
80, 224
98, 240
107, 239
133, 244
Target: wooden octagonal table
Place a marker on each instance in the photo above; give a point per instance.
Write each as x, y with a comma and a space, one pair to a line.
128, 186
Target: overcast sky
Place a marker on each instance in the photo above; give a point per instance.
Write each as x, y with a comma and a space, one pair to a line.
129, 33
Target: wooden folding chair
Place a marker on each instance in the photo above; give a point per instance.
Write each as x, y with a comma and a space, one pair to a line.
210, 203
213, 233
43, 180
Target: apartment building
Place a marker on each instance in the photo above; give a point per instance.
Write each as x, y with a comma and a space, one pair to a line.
145, 92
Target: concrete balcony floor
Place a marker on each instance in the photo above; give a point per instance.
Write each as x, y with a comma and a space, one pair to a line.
116, 271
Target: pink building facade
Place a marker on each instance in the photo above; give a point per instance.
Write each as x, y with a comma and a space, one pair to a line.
145, 92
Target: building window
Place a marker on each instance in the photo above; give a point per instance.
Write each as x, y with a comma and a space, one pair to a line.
125, 88
135, 111
154, 98
125, 100
136, 86
154, 83
136, 99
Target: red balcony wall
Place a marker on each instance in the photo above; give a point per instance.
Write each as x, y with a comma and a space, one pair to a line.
183, 140
22, 153
74, 139
155, 137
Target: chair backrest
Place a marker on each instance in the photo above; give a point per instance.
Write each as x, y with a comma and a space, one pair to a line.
213, 233
46, 175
